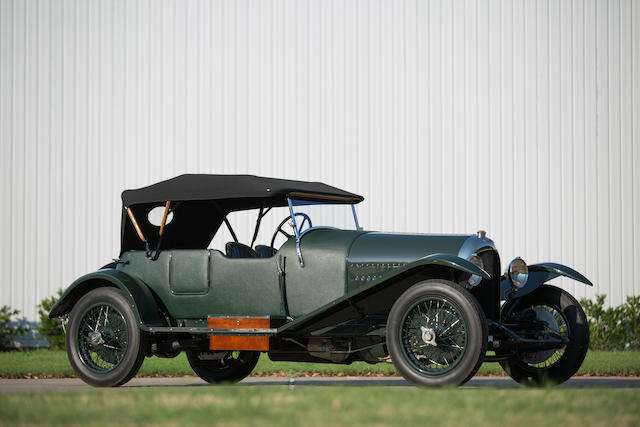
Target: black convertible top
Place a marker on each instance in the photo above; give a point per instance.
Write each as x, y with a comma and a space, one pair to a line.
262, 191
200, 203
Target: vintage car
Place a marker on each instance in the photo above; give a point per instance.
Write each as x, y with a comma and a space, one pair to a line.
436, 306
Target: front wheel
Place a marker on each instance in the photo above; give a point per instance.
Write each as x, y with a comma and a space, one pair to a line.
105, 346
225, 366
561, 314
437, 334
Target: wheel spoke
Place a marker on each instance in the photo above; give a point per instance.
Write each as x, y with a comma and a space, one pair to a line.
98, 321
102, 338
433, 334
449, 327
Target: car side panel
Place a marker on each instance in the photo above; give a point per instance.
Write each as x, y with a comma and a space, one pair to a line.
377, 297
244, 286
193, 284
374, 256
323, 277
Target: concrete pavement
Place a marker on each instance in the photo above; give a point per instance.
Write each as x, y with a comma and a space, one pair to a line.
74, 384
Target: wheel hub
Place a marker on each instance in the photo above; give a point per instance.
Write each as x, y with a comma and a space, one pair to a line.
433, 335
95, 338
547, 318
428, 336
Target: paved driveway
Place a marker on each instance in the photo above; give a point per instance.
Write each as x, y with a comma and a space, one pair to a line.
74, 384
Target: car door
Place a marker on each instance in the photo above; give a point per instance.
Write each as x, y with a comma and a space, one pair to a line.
322, 279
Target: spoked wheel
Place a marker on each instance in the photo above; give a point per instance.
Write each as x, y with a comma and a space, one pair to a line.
226, 366
559, 314
104, 344
437, 334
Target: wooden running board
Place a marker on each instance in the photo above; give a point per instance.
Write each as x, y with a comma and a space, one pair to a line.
251, 341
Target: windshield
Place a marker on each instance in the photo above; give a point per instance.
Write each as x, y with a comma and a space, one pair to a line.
310, 214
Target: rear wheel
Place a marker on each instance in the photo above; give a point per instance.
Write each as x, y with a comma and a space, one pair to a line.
227, 366
104, 344
561, 314
437, 334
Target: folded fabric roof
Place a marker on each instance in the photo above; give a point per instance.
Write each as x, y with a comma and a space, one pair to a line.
201, 202
263, 191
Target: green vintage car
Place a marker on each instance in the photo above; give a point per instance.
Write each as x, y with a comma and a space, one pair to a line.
436, 306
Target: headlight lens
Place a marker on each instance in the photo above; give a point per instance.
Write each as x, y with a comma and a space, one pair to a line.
518, 273
475, 279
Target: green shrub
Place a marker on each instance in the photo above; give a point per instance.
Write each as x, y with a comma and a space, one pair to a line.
613, 328
6, 329
51, 329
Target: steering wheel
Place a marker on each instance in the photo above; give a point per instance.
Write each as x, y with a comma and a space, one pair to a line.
305, 219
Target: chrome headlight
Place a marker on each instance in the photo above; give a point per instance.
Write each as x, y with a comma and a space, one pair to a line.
475, 279
518, 273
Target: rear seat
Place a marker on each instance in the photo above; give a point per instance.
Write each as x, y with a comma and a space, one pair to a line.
238, 250
265, 251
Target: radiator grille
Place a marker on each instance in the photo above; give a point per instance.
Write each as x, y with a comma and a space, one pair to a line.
488, 291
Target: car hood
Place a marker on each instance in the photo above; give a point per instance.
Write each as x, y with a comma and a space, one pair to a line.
399, 247
373, 254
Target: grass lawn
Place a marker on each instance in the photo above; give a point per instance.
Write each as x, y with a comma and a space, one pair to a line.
321, 406
49, 363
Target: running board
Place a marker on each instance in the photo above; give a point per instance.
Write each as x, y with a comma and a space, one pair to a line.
216, 331
232, 333
242, 339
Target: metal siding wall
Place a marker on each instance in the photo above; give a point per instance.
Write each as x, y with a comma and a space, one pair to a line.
518, 117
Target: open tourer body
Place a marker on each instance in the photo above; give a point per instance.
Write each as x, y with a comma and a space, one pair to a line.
436, 306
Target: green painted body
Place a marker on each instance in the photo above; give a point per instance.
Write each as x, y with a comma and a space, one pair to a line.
374, 255
339, 265
140, 296
326, 295
200, 282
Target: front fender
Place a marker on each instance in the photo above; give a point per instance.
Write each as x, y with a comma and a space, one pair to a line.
377, 296
539, 274
137, 293
446, 260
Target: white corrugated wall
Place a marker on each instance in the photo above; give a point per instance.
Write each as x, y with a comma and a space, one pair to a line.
518, 117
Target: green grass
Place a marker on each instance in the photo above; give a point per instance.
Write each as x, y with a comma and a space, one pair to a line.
48, 363
321, 406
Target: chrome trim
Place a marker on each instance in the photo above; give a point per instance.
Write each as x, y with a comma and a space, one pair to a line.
213, 331
510, 277
295, 230
355, 217
476, 278
473, 245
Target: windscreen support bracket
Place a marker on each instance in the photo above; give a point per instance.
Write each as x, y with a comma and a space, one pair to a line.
167, 210
138, 230
295, 229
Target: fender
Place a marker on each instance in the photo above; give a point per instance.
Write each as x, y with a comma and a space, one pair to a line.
374, 297
539, 274
137, 293
446, 260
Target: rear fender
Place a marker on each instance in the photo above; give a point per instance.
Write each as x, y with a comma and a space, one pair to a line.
539, 274
145, 306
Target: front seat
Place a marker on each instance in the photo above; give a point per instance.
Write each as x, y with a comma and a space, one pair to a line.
238, 250
265, 251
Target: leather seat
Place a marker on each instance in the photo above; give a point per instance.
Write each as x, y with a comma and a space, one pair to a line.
238, 250
265, 251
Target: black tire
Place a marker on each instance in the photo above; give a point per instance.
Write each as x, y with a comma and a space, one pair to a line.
234, 367
86, 356
574, 353
403, 345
